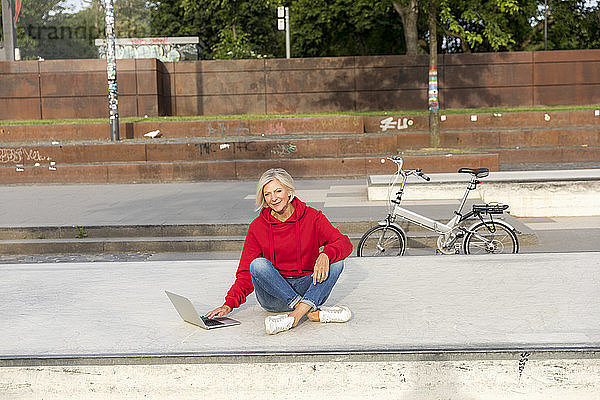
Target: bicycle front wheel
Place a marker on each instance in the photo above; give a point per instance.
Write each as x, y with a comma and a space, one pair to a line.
490, 238
381, 241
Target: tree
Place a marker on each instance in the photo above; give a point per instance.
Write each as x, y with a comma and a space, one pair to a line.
434, 119
409, 11
234, 44
345, 28
132, 17
332, 28
573, 25
479, 22
45, 30
209, 19
35, 15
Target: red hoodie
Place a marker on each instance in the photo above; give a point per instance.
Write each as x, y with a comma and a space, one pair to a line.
292, 246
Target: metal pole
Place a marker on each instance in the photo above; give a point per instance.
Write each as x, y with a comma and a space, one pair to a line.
9, 31
287, 33
545, 24
111, 69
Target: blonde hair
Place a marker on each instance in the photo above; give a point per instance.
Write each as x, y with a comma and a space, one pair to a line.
274, 173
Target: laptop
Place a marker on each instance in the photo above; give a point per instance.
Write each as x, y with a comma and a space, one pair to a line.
186, 310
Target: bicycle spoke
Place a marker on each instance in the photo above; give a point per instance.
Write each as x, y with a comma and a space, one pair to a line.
483, 241
381, 241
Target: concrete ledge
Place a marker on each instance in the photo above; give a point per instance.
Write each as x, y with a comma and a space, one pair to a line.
142, 171
192, 358
436, 304
528, 193
519, 375
502, 326
510, 326
577, 127
198, 244
180, 238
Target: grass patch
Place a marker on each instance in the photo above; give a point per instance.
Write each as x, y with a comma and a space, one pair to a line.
300, 115
438, 151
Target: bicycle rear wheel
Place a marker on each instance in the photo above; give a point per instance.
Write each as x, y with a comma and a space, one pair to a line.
490, 238
381, 241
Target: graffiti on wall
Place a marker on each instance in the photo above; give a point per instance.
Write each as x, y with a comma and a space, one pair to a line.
284, 149
228, 129
164, 49
20, 155
389, 123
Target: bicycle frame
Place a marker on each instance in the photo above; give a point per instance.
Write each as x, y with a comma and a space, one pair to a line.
424, 221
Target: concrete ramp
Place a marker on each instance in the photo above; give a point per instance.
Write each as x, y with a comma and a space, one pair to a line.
503, 326
406, 304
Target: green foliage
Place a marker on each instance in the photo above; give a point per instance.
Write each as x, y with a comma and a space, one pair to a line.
508, 25
255, 21
479, 24
234, 45
35, 15
248, 28
333, 28
345, 28
297, 115
46, 30
573, 25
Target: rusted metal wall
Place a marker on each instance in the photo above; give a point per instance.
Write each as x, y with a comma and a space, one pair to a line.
78, 89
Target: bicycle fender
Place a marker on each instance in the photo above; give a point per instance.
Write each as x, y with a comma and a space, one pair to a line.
503, 222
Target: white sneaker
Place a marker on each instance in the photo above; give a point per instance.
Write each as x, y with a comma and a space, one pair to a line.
334, 314
278, 323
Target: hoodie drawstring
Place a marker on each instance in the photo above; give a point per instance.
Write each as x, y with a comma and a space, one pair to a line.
298, 252
272, 244
266, 213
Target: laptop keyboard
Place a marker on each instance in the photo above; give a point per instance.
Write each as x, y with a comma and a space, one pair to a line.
211, 322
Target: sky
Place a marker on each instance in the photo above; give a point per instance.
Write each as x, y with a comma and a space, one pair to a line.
74, 5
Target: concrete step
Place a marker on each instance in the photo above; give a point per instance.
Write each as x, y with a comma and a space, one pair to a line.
217, 128
386, 122
288, 146
122, 231
528, 193
185, 162
120, 245
142, 171
549, 154
157, 231
200, 149
185, 238
179, 244
505, 139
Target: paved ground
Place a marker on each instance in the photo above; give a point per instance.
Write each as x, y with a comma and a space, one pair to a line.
534, 314
169, 203
230, 202
498, 302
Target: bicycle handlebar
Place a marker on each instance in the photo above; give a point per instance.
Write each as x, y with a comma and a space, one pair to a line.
398, 161
422, 175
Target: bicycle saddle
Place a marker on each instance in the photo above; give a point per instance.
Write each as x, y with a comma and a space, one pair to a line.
478, 172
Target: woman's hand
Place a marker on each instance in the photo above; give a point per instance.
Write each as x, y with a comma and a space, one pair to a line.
321, 270
219, 311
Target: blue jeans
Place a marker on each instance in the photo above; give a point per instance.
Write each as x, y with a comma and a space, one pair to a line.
276, 293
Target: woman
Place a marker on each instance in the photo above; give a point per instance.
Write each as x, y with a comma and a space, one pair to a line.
281, 260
